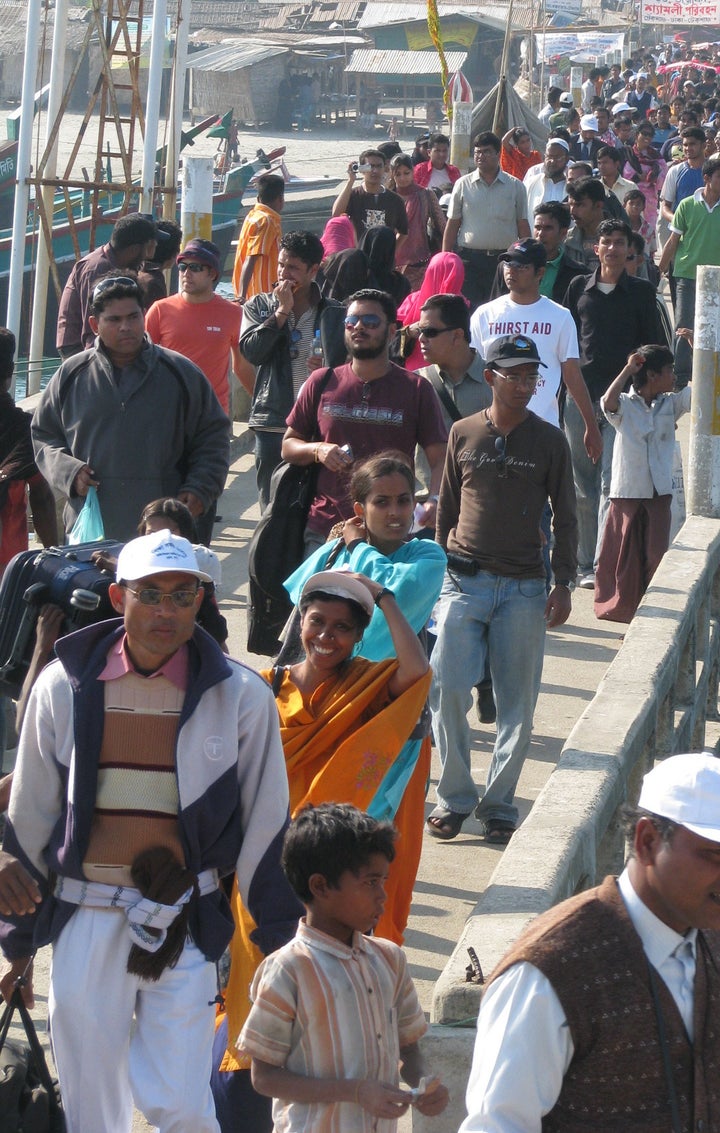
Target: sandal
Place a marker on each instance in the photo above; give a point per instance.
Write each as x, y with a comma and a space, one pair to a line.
498, 832
444, 824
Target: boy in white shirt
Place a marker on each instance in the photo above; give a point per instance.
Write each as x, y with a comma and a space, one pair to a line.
637, 532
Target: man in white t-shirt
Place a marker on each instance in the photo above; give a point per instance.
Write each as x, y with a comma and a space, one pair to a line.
525, 311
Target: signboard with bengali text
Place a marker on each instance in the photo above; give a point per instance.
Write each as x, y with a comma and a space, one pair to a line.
582, 47
680, 12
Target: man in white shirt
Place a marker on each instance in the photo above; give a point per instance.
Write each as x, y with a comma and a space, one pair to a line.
605, 992
525, 311
546, 182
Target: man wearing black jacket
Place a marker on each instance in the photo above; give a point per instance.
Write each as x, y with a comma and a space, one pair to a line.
279, 336
614, 314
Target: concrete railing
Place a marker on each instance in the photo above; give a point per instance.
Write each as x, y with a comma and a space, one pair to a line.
654, 700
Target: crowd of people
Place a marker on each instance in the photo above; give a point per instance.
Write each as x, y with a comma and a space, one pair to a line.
486, 394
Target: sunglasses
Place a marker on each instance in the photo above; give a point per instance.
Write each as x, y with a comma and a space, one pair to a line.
369, 322
433, 332
194, 268
501, 458
114, 281
181, 599
295, 337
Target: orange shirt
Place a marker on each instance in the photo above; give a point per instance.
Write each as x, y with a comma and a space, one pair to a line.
203, 332
259, 236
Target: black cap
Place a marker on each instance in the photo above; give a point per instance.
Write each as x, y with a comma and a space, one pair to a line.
527, 251
512, 350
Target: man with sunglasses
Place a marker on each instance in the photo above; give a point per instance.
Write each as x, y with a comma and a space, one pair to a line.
360, 409
132, 240
150, 766
196, 322
502, 465
133, 419
280, 332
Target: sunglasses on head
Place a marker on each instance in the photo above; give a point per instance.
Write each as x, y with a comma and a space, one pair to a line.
369, 322
113, 281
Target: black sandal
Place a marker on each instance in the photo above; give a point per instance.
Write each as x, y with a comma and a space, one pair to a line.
444, 824
498, 832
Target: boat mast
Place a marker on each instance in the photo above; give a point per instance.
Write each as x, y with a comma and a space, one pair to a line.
47, 193
177, 98
22, 187
152, 105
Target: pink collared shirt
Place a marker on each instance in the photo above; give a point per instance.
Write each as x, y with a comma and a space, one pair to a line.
119, 664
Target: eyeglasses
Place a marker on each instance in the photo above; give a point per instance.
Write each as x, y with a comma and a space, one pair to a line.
518, 379
433, 332
369, 322
194, 268
501, 458
181, 599
114, 281
295, 338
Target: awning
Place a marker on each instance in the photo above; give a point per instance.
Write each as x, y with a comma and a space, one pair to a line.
394, 66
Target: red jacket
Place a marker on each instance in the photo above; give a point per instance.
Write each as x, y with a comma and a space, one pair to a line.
423, 173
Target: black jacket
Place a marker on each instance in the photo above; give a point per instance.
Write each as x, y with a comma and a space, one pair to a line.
268, 349
566, 272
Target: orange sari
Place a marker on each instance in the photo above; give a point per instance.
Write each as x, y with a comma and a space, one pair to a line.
338, 746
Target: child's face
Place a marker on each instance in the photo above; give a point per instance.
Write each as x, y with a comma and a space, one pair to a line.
664, 381
634, 208
354, 905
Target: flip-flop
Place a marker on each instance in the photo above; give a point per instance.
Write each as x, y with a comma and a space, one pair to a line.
444, 824
498, 832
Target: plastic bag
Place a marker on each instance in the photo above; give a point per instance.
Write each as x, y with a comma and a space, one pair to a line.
88, 526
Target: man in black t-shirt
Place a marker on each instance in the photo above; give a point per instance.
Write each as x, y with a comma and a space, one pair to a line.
371, 205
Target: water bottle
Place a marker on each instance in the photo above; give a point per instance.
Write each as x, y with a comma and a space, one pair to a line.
317, 350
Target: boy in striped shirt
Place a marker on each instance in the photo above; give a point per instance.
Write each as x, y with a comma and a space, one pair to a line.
335, 1020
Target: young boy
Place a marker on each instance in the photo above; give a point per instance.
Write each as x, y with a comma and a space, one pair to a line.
637, 531
335, 1012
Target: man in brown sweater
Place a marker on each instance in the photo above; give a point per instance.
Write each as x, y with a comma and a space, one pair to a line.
604, 1014
502, 465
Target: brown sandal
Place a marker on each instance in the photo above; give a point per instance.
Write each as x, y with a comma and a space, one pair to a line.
444, 824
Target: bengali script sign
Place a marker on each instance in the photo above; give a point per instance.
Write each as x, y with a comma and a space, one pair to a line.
585, 47
680, 12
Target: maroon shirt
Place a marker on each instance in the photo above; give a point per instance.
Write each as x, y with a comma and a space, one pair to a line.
397, 411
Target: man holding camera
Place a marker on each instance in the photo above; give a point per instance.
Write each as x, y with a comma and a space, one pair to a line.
371, 205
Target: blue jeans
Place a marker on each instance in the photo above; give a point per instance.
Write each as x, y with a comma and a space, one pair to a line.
684, 317
592, 484
486, 616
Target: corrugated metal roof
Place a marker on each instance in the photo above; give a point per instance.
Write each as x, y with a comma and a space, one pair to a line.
402, 62
13, 21
495, 15
233, 56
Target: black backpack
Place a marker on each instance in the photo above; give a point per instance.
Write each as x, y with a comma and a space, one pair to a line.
277, 549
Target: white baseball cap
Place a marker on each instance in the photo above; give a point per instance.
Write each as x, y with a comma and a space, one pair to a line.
589, 122
686, 789
158, 553
341, 584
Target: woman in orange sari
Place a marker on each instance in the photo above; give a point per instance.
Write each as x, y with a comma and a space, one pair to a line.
343, 722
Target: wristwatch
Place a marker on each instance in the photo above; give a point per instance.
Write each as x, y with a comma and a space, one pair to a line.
568, 583
382, 594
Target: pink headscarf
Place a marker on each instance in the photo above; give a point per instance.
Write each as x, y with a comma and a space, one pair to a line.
445, 275
339, 235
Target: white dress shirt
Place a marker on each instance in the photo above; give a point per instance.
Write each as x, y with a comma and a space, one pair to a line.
523, 1046
644, 450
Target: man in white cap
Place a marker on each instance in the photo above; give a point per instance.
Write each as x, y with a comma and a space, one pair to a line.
584, 146
606, 1008
149, 767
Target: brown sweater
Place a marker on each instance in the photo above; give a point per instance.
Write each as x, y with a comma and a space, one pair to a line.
491, 511
589, 951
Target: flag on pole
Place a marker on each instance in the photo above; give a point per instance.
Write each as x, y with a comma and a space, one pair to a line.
221, 128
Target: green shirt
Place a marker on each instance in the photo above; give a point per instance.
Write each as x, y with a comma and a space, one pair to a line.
699, 229
548, 280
